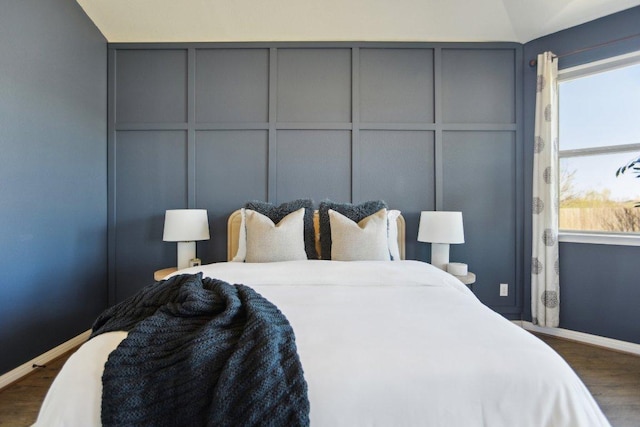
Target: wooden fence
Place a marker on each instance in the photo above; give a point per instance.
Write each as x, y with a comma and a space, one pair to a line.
616, 219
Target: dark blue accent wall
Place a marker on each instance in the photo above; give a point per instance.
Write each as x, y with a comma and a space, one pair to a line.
599, 290
422, 126
53, 198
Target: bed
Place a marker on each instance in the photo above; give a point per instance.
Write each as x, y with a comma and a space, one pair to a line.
381, 343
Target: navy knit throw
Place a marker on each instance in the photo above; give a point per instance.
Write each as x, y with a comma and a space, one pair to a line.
201, 352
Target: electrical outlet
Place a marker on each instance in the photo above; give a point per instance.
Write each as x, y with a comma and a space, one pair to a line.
504, 289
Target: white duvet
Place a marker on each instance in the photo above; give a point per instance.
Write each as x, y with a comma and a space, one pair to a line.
381, 344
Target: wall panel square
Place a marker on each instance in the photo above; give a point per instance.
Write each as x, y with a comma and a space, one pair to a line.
314, 85
398, 167
396, 85
231, 169
232, 85
478, 86
151, 86
479, 179
313, 164
151, 178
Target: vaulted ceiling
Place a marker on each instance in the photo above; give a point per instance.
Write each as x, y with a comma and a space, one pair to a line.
341, 20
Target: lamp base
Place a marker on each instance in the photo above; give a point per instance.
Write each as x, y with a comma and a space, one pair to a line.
186, 252
440, 255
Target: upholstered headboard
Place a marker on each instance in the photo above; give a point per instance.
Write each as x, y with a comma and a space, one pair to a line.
235, 220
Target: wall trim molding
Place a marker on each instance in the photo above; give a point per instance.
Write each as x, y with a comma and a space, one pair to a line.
26, 368
609, 343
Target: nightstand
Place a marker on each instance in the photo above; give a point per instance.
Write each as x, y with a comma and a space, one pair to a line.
160, 274
468, 280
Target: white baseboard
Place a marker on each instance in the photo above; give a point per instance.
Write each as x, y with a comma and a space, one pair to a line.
26, 368
609, 343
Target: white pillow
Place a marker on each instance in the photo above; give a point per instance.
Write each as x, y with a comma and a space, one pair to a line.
366, 240
394, 250
268, 242
241, 254
392, 217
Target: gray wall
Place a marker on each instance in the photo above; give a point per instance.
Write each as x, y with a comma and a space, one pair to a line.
599, 290
422, 126
52, 176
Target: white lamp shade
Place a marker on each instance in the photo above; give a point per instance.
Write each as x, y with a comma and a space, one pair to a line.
185, 225
441, 227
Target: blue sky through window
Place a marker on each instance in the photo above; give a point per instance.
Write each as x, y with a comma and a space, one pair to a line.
597, 111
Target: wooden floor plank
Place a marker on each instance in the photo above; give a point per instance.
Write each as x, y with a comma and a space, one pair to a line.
613, 378
20, 402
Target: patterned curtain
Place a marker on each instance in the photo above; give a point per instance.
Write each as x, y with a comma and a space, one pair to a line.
545, 284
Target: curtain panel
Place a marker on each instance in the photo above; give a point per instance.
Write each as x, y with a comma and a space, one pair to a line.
545, 270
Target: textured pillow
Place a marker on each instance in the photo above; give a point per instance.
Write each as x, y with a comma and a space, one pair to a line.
268, 242
355, 213
277, 213
363, 241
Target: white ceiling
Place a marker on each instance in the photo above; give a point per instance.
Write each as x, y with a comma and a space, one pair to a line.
341, 20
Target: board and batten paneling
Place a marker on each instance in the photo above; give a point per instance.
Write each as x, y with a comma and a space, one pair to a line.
152, 86
246, 175
396, 86
478, 86
314, 85
151, 178
399, 164
487, 200
232, 85
345, 121
480, 160
315, 163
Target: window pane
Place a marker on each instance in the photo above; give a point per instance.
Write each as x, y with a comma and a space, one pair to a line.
593, 199
601, 109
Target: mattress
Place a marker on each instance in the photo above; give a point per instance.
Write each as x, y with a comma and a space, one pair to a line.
381, 343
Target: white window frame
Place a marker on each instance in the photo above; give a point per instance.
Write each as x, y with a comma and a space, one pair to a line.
595, 237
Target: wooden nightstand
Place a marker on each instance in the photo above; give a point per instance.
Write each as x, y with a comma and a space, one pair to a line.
468, 280
161, 274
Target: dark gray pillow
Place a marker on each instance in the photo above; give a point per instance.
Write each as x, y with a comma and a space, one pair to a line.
276, 213
354, 212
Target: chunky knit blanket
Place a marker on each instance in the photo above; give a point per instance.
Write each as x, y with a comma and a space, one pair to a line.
201, 352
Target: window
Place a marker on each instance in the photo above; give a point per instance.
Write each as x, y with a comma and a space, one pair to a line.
599, 132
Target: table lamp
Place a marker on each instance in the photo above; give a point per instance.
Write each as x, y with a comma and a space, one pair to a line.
185, 226
440, 228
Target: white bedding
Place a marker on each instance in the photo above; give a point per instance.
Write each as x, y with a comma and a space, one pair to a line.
381, 344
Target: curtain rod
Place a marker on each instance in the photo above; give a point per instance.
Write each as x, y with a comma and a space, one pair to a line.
534, 62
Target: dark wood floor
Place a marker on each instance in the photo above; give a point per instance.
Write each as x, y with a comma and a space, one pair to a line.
20, 402
613, 378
